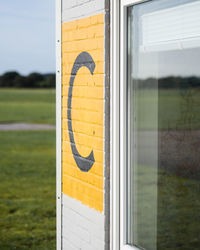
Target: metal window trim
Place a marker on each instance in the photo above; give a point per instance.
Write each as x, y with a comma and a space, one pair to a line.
114, 135
58, 127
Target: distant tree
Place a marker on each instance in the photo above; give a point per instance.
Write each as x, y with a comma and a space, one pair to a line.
170, 82
33, 80
48, 82
51, 80
20, 82
7, 79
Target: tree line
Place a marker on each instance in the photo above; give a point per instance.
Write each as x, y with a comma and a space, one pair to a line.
13, 79
170, 82
34, 80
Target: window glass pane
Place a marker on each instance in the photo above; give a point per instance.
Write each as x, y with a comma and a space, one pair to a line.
163, 187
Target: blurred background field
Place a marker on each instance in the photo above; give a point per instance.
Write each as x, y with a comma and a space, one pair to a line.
27, 105
28, 171
179, 110
27, 97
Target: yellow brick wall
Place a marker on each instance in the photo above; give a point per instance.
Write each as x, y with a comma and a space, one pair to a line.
83, 35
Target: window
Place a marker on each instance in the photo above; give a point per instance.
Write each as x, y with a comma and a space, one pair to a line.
160, 125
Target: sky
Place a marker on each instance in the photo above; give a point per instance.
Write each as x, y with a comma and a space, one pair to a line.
27, 36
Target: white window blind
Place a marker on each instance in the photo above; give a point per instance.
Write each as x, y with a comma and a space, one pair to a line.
173, 28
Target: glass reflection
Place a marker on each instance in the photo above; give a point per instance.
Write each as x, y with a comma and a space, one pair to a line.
164, 145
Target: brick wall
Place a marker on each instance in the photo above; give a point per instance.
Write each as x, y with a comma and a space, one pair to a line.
84, 35
85, 125
83, 228
77, 9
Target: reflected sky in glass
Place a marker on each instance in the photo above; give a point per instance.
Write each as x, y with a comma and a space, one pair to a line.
164, 127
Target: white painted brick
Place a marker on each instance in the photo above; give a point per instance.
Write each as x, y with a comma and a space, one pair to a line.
85, 213
87, 247
74, 239
96, 244
72, 9
83, 234
77, 230
68, 246
82, 227
97, 234
79, 2
97, 225
74, 3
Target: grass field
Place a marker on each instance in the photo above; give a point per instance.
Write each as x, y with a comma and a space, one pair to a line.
27, 171
27, 105
175, 113
177, 202
167, 109
27, 190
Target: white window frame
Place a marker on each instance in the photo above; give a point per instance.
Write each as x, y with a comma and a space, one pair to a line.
123, 123
119, 122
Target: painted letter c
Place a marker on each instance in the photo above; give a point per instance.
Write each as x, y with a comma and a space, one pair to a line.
84, 59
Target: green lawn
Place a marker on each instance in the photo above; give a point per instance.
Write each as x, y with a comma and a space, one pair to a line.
27, 188
167, 109
175, 225
27, 105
